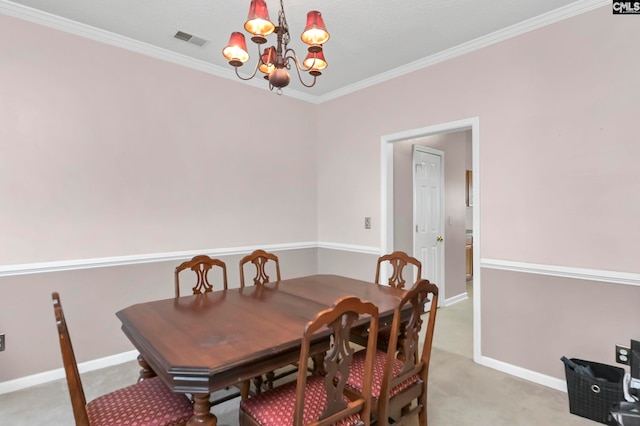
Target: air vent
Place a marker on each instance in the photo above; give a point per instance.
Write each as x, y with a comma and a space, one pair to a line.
189, 38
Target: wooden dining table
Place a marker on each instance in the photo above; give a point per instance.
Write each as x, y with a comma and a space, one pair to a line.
203, 343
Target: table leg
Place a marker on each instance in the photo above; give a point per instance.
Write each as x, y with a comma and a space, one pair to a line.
270, 376
201, 411
244, 389
257, 382
146, 372
318, 363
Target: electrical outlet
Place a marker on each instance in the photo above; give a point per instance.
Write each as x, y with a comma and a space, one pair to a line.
367, 223
1, 342
622, 354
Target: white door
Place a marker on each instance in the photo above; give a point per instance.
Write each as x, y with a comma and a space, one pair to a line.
428, 213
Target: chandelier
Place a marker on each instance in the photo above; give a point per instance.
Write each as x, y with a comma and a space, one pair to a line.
274, 61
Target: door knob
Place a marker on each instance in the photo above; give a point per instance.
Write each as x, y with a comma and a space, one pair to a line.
440, 238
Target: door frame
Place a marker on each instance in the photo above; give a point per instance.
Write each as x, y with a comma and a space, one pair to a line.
425, 149
386, 201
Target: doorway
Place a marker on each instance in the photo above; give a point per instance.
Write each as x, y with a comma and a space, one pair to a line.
388, 234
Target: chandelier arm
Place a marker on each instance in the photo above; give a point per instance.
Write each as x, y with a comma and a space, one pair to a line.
291, 54
245, 78
255, 71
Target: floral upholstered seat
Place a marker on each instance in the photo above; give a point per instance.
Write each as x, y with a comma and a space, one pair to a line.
357, 375
148, 403
275, 407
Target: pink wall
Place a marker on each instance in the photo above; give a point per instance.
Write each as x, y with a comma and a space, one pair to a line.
558, 146
558, 184
106, 152
532, 320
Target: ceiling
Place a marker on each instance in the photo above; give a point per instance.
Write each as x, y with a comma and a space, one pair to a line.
371, 40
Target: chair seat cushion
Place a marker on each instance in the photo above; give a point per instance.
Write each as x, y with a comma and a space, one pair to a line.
356, 378
147, 403
275, 407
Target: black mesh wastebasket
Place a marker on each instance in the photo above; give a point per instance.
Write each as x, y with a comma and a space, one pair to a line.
593, 388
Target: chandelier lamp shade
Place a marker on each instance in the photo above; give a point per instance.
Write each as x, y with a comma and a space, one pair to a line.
274, 62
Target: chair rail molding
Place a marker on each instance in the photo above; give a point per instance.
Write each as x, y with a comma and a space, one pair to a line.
614, 277
102, 262
350, 247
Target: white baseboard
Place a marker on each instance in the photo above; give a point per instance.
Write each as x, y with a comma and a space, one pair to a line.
455, 299
50, 376
532, 376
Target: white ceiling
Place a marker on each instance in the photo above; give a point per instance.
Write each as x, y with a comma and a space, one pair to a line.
371, 40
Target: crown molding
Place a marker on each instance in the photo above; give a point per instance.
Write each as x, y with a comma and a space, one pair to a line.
560, 14
72, 27
82, 30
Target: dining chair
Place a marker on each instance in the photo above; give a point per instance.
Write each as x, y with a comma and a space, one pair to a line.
149, 402
320, 399
259, 258
201, 265
398, 260
399, 388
